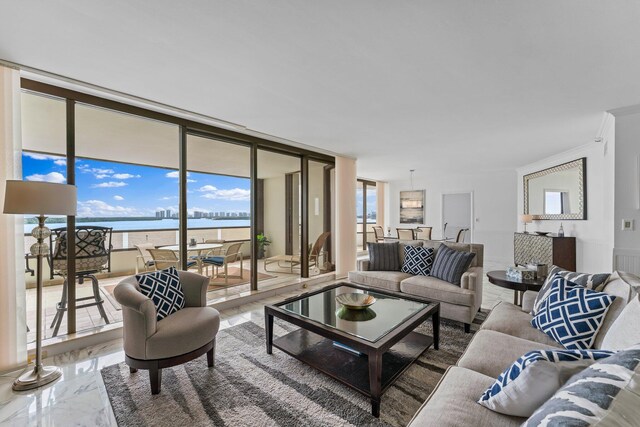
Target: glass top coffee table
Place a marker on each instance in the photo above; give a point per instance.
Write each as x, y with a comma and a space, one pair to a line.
365, 349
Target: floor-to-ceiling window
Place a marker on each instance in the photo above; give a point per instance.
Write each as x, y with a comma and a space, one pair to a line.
366, 211
153, 184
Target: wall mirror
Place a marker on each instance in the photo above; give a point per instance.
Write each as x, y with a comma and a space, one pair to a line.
559, 192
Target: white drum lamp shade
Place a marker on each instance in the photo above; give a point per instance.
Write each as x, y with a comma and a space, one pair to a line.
40, 198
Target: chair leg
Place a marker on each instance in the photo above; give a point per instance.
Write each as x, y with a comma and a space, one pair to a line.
211, 355
62, 306
99, 300
132, 370
467, 328
155, 377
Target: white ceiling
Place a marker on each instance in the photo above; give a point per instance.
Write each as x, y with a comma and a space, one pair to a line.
431, 85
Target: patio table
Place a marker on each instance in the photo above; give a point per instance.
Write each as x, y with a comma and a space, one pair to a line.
198, 248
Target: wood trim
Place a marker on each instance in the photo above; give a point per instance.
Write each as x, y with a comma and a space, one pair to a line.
71, 220
288, 209
327, 209
304, 214
183, 216
257, 189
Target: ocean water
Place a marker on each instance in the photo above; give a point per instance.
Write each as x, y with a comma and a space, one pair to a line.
155, 224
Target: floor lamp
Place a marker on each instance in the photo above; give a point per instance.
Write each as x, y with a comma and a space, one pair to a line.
39, 198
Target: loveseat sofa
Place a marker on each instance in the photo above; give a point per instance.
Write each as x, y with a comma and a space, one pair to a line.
460, 303
504, 336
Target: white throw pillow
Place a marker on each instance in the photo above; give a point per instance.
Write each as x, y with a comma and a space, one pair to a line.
534, 378
624, 331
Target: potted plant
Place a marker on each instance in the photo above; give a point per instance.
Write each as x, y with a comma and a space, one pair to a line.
262, 243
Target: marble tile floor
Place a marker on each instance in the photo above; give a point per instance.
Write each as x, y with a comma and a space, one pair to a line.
80, 398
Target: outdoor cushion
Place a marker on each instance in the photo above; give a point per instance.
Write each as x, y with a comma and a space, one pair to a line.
384, 256
438, 290
511, 320
589, 281
417, 260
453, 403
572, 314
605, 394
491, 352
534, 378
164, 289
451, 264
215, 260
389, 280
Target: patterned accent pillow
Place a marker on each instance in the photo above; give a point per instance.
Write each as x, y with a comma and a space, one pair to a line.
164, 289
596, 282
534, 378
418, 260
384, 256
572, 314
450, 264
606, 394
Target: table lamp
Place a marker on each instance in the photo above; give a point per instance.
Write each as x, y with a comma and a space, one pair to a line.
39, 198
526, 219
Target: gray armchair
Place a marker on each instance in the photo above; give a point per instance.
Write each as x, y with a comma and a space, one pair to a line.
176, 339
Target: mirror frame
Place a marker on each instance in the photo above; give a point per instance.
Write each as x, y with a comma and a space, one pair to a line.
581, 164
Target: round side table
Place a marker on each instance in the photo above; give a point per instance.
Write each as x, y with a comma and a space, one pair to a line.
499, 278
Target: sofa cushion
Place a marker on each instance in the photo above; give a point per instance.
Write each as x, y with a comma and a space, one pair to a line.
384, 256
164, 289
572, 314
417, 260
201, 322
491, 352
438, 290
451, 264
532, 379
453, 403
605, 394
511, 320
389, 280
589, 281
624, 332
478, 260
622, 286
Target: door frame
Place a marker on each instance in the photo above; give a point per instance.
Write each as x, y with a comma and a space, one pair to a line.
472, 210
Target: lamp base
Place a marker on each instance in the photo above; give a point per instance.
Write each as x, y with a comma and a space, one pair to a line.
37, 377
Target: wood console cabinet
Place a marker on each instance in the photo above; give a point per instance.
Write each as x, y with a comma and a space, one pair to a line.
560, 251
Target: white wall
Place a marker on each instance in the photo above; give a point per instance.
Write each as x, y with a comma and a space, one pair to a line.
275, 215
494, 200
627, 194
594, 236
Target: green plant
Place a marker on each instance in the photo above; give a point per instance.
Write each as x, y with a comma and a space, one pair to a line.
262, 240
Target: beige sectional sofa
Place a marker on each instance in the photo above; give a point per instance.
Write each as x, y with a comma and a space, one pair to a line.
505, 336
459, 303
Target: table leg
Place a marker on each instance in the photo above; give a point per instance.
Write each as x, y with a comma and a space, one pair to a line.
375, 382
435, 319
268, 327
515, 297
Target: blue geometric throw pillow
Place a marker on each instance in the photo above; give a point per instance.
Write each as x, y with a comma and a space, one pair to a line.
571, 314
164, 289
418, 260
607, 393
534, 378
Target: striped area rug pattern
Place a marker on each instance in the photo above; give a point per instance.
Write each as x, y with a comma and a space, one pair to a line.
248, 387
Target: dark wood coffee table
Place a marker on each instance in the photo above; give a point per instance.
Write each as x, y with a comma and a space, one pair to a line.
381, 340
499, 278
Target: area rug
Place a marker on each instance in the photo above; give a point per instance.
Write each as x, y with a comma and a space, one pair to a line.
218, 282
248, 387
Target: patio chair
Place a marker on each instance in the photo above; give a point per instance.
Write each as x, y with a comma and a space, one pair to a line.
378, 232
93, 255
229, 256
144, 258
293, 261
165, 258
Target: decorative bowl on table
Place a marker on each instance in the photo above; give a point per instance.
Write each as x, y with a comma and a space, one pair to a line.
354, 301
542, 233
343, 313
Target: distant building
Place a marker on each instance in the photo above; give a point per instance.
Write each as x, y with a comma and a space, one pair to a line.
167, 213
159, 214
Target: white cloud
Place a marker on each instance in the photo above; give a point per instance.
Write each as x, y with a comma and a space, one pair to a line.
176, 174
99, 173
55, 177
101, 176
167, 197
39, 156
60, 162
124, 176
208, 188
231, 194
191, 180
93, 208
110, 184
116, 197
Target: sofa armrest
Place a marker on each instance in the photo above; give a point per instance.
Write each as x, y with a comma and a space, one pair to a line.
471, 279
528, 299
139, 313
363, 265
194, 287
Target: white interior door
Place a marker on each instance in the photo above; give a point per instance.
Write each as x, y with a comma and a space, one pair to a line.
457, 213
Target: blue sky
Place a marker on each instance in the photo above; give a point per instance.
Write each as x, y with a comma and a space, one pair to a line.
119, 189
371, 201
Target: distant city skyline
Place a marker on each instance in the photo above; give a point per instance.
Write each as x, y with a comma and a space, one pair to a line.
113, 189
